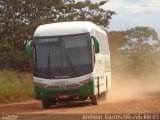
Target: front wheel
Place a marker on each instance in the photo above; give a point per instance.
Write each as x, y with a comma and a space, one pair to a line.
94, 100
46, 103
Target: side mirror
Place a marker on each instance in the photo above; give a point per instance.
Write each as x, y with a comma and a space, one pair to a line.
28, 48
95, 40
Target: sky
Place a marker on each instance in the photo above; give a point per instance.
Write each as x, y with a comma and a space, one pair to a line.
132, 13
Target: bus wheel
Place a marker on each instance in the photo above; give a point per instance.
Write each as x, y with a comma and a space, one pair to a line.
45, 103
94, 100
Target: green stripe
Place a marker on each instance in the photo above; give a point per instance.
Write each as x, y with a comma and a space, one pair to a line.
80, 92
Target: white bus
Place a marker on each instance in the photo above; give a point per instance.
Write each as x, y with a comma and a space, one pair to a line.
71, 62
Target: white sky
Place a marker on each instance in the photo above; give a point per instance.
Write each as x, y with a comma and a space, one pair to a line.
132, 13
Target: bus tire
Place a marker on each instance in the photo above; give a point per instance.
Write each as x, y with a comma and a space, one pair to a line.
94, 100
45, 103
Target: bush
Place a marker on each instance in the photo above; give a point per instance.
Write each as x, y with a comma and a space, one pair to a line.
15, 86
14, 60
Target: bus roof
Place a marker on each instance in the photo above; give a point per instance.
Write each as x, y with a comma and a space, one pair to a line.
66, 28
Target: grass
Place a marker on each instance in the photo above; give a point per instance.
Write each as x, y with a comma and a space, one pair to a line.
15, 86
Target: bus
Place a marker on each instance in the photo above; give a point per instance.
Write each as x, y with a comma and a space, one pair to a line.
71, 62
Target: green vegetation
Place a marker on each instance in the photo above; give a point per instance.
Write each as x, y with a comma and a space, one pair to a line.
136, 51
14, 60
15, 86
140, 44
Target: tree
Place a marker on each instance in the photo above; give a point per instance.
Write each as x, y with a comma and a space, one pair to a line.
19, 18
116, 40
141, 43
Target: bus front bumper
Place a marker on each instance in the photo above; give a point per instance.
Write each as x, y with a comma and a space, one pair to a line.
49, 93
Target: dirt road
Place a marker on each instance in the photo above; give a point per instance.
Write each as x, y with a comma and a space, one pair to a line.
32, 110
150, 105
123, 98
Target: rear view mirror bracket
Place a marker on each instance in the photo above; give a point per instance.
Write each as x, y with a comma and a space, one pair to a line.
28, 48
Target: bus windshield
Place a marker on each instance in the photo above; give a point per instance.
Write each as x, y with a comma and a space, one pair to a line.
63, 57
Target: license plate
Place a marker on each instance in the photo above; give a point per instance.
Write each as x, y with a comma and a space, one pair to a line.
63, 96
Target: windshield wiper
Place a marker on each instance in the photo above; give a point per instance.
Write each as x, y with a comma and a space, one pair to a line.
71, 64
